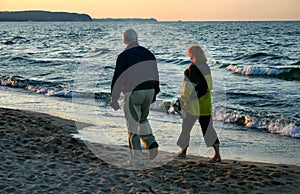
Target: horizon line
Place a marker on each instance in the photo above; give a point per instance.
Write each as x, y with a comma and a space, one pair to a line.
204, 20
175, 20
225, 20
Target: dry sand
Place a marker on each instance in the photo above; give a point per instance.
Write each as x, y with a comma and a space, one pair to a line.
39, 155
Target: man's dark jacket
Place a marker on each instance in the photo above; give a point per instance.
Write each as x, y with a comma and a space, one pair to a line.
136, 69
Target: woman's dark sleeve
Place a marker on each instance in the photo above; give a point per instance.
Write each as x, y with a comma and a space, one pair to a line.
197, 77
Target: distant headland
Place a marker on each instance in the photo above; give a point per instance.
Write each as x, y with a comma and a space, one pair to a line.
47, 16
39, 16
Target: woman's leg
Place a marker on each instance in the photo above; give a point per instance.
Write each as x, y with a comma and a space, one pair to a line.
210, 136
217, 156
187, 125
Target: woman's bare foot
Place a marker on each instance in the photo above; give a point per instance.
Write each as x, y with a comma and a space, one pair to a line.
217, 156
182, 153
215, 159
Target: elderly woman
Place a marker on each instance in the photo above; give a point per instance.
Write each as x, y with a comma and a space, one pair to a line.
196, 103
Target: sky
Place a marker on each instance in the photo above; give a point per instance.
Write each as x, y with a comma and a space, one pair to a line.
167, 10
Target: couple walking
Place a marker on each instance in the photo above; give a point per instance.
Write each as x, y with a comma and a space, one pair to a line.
136, 76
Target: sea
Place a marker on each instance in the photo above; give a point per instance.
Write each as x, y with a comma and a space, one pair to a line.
65, 69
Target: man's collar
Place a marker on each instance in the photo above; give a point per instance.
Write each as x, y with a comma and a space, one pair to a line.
131, 45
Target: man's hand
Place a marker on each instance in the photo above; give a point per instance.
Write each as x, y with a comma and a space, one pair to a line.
115, 105
154, 99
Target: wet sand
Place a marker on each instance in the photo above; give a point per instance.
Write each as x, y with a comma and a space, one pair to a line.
38, 154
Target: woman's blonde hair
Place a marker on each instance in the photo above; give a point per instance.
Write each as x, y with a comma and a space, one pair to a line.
196, 51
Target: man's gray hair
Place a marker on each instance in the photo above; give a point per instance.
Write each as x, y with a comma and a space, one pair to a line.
129, 36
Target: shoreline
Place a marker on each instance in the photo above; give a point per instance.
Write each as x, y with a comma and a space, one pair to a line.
39, 154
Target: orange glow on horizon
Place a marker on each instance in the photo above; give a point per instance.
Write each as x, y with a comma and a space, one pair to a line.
167, 10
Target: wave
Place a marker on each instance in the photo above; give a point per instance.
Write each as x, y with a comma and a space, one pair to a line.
176, 61
281, 73
18, 81
238, 95
296, 63
252, 121
263, 122
40, 87
260, 56
29, 60
272, 124
50, 88
15, 40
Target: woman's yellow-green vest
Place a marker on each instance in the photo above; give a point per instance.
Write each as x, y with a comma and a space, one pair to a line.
198, 106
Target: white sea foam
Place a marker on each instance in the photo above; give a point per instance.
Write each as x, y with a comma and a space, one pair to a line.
291, 130
250, 70
278, 126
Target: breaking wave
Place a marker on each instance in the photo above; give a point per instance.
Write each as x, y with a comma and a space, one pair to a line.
281, 73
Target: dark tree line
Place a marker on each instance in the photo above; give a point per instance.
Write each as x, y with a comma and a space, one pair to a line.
42, 16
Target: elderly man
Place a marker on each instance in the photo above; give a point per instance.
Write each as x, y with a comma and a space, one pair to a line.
136, 76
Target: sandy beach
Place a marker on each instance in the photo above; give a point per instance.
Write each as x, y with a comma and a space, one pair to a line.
39, 155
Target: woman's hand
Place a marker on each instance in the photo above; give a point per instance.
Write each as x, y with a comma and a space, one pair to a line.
115, 105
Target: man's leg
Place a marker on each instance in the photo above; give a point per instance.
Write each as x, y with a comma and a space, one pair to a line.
132, 114
145, 129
